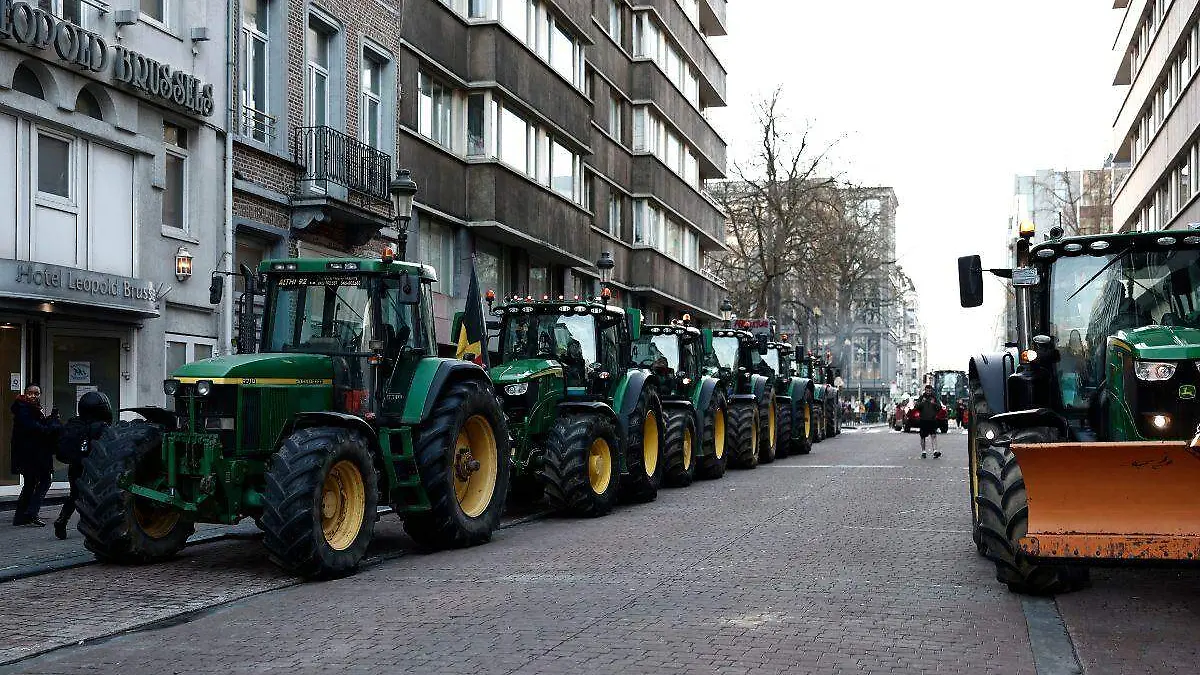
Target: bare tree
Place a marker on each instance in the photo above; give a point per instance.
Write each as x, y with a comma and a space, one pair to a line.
1080, 201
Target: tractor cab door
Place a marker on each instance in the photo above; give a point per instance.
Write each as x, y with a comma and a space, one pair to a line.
615, 352
404, 329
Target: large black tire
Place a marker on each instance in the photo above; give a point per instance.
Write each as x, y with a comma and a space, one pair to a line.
682, 445
802, 433
743, 430
767, 428
465, 426
836, 415
644, 463
116, 526
715, 439
818, 421
1004, 519
315, 469
783, 429
980, 412
581, 473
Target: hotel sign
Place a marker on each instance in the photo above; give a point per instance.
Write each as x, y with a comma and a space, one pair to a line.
53, 283
36, 28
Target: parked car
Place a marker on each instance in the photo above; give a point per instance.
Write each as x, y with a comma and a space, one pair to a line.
912, 417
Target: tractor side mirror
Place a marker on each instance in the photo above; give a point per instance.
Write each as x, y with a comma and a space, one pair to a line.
410, 290
762, 345
216, 289
970, 281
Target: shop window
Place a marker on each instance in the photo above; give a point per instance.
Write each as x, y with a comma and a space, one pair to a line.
174, 201
26, 82
87, 104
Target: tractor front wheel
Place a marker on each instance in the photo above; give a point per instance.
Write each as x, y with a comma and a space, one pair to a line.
117, 526
1004, 519
644, 451
743, 429
980, 412
581, 472
681, 448
818, 422
784, 428
462, 459
803, 428
320, 504
766, 429
714, 438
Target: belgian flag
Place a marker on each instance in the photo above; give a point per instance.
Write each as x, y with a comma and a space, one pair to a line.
472, 332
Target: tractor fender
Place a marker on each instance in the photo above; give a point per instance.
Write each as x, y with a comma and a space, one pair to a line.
758, 385
438, 373
588, 407
328, 418
1035, 417
703, 398
626, 399
992, 371
155, 415
801, 386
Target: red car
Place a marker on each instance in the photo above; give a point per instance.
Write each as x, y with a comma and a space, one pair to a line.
912, 418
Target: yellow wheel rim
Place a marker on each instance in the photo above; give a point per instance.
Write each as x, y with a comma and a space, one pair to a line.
343, 500
754, 434
807, 420
156, 521
599, 465
476, 466
687, 449
719, 434
771, 424
650, 444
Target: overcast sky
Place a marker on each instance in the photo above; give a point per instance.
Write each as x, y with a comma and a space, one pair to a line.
943, 100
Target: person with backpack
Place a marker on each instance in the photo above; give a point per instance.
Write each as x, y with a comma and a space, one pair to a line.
95, 414
928, 408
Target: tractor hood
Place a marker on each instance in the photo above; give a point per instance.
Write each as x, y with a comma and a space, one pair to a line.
524, 370
1166, 343
289, 367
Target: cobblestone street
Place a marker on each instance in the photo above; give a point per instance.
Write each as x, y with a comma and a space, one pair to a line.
856, 558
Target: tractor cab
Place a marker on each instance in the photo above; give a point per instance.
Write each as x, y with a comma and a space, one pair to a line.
673, 353
732, 352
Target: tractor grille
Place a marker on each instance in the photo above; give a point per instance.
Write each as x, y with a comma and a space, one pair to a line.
1163, 398
264, 412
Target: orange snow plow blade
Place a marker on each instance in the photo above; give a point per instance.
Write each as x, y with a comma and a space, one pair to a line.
1112, 501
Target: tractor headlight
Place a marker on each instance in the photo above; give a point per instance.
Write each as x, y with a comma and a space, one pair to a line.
1153, 371
1160, 422
517, 389
204, 387
170, 387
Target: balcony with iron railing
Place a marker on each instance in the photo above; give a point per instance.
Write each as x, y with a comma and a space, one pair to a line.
327, 156
258, 125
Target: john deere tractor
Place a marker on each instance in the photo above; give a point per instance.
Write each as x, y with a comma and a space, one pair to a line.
693, 402
794, 400
826, 406
733, 356
1082, 437
585, 422
344, 408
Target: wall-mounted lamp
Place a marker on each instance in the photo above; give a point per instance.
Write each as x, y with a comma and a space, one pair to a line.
183, 264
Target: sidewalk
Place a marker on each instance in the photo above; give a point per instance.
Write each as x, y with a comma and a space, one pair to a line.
26, 551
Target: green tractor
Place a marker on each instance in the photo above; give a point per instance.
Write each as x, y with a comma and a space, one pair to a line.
733, 356
344, 408
1082, 437
795, 399
827, 408
585, 421
692, 401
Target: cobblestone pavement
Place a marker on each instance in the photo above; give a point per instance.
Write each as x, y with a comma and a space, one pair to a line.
853, 559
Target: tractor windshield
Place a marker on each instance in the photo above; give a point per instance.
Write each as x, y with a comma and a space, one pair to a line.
321, 314
569, 338
657, 352
771, 359
725, 352
950, 386
1094, 297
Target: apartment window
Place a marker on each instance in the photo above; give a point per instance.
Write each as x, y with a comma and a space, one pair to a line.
479, 9
514, 15
476, 125
614, 215
562, 54
438, 249
435, 110
257, 122
614, 20
317, 43
156, 9
371, 107
614, 116
54, 166
562, 170
175, 197
514, 141
1183, 186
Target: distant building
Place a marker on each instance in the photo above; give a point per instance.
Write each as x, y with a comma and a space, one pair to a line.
1078, 201
1156, 129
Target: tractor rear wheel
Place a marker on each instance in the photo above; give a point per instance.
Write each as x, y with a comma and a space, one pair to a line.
1004, 519
818, 422
462, 459
320, 504
767, 429
644, 456
784, 428
803, 428
682, 446
581, 472
117, 526
714, 438
980, 412
743, 430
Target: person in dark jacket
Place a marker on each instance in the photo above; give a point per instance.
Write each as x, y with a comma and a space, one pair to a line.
33, 435
95, 414
928, 408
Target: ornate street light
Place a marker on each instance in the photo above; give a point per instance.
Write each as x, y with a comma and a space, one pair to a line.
403, 189
183, 264
605, 264
726, 310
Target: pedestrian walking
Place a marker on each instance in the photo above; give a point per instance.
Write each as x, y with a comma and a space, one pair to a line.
928, 407
94, 414
33, 436
959, 408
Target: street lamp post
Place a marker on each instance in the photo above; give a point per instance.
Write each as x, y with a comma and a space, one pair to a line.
403, 190
605, 264
726, 311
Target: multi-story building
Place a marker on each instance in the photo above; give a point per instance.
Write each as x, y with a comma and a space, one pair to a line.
112, 119
1080, 202
547, 133
1156, 131
912, 350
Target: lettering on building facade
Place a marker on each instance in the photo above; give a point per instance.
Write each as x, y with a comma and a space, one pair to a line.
53, 282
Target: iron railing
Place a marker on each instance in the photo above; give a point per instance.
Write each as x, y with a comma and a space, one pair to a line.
330, 156
258, 125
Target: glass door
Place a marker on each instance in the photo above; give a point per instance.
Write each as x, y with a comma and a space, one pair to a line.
12, 364
79, 363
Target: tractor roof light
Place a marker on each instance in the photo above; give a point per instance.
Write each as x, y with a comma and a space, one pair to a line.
1029, 356
1027, 229
1165, 241
1101, 245
1045, 253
